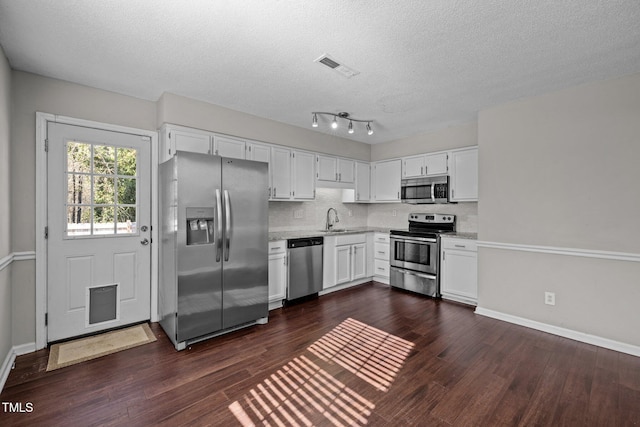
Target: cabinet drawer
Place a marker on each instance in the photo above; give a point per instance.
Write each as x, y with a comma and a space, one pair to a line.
277, 247
460, 244
381, 238
351, 239
381, 251
381, 268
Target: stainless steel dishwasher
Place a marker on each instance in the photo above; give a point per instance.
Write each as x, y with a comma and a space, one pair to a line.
305, 267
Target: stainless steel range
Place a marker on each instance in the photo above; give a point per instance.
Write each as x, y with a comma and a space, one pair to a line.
415, 254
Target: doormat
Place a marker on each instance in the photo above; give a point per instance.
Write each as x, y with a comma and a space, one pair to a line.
83, 349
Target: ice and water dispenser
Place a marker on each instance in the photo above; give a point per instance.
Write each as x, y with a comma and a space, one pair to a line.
200, 226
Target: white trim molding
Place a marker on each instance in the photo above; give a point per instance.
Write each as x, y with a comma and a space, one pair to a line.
587, 253
16, 256
10, 358
562, 332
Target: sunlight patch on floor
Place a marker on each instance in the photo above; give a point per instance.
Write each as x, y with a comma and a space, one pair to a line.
301, 393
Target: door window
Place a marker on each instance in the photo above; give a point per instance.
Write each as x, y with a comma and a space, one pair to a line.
102, 190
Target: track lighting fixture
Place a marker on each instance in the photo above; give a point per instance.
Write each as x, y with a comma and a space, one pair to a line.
341, 115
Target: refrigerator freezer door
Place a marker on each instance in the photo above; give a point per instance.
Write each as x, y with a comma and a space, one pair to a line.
246, 270
199, 275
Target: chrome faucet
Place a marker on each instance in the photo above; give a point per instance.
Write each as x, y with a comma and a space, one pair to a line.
330, 223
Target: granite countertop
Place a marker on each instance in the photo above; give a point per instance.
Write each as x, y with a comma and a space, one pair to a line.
295, 234
462, 235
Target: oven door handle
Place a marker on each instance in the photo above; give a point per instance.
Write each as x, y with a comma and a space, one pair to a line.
433, 190
414, 273
414, 239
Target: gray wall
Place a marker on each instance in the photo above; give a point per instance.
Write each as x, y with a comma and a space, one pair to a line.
6, 341
32, 93
561, 170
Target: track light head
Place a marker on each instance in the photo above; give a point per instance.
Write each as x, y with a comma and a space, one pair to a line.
314, 123
350, 127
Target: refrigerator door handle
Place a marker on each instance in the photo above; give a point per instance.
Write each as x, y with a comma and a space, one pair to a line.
218, 237
227, 224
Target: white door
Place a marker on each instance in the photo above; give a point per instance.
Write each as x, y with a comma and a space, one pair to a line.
98, 246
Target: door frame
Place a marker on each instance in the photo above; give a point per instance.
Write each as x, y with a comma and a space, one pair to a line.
41, 212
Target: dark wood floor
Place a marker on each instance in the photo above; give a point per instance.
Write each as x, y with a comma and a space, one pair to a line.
368, 355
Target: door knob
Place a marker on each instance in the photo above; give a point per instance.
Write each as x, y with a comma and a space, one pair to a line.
144, 242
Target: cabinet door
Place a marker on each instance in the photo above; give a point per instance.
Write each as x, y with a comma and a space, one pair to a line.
346, 170
229, 147
436, 164
327, 168
460, 274
343, 264
280, 173
363, 182
359, 261
387, 180
304, 183
193, 142
258, 152
413, 166
277, 277
464, 176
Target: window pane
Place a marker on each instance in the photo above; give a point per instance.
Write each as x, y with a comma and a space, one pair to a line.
127, 161
127, 191
103, 221
103, 190
104, 160
78, 220
126, 220
78, 157
78, 189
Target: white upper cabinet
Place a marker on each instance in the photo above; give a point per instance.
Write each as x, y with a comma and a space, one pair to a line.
363, 182
280, 168
335, 169
292, 174
386, 180
425, 165
174, 138
258, 152
464, 175
229, 147
303, 175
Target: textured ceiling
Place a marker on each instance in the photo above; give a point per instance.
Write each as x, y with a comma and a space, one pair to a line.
424, 64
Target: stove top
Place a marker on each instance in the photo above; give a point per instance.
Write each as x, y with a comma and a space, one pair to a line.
428, 225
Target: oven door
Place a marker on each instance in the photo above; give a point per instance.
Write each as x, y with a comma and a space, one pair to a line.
414, 253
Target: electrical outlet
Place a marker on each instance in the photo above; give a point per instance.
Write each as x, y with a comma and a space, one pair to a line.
298, 213
394, 213
550, 298
350, 212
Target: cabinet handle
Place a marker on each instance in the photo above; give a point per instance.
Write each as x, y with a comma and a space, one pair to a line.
381, 252
460, 246
421, 173
357, 196
398, 195
336, 176
340, 176
276, 248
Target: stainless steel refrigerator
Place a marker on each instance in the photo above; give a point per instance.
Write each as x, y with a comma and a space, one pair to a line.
214, 249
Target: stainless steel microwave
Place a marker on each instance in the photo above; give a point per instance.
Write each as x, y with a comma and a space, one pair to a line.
430, 189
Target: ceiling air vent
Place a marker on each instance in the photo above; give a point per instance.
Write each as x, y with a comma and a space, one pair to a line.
336, 66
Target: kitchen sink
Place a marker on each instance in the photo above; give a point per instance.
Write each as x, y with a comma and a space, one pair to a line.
337, 230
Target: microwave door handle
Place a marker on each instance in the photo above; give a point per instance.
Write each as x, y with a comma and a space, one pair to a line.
218, 219
433, 189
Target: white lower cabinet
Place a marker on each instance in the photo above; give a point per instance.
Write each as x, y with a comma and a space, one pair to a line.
277, 273
345, 259
381, 257
459, 270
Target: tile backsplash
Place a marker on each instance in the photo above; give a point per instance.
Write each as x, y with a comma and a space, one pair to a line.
312, 215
